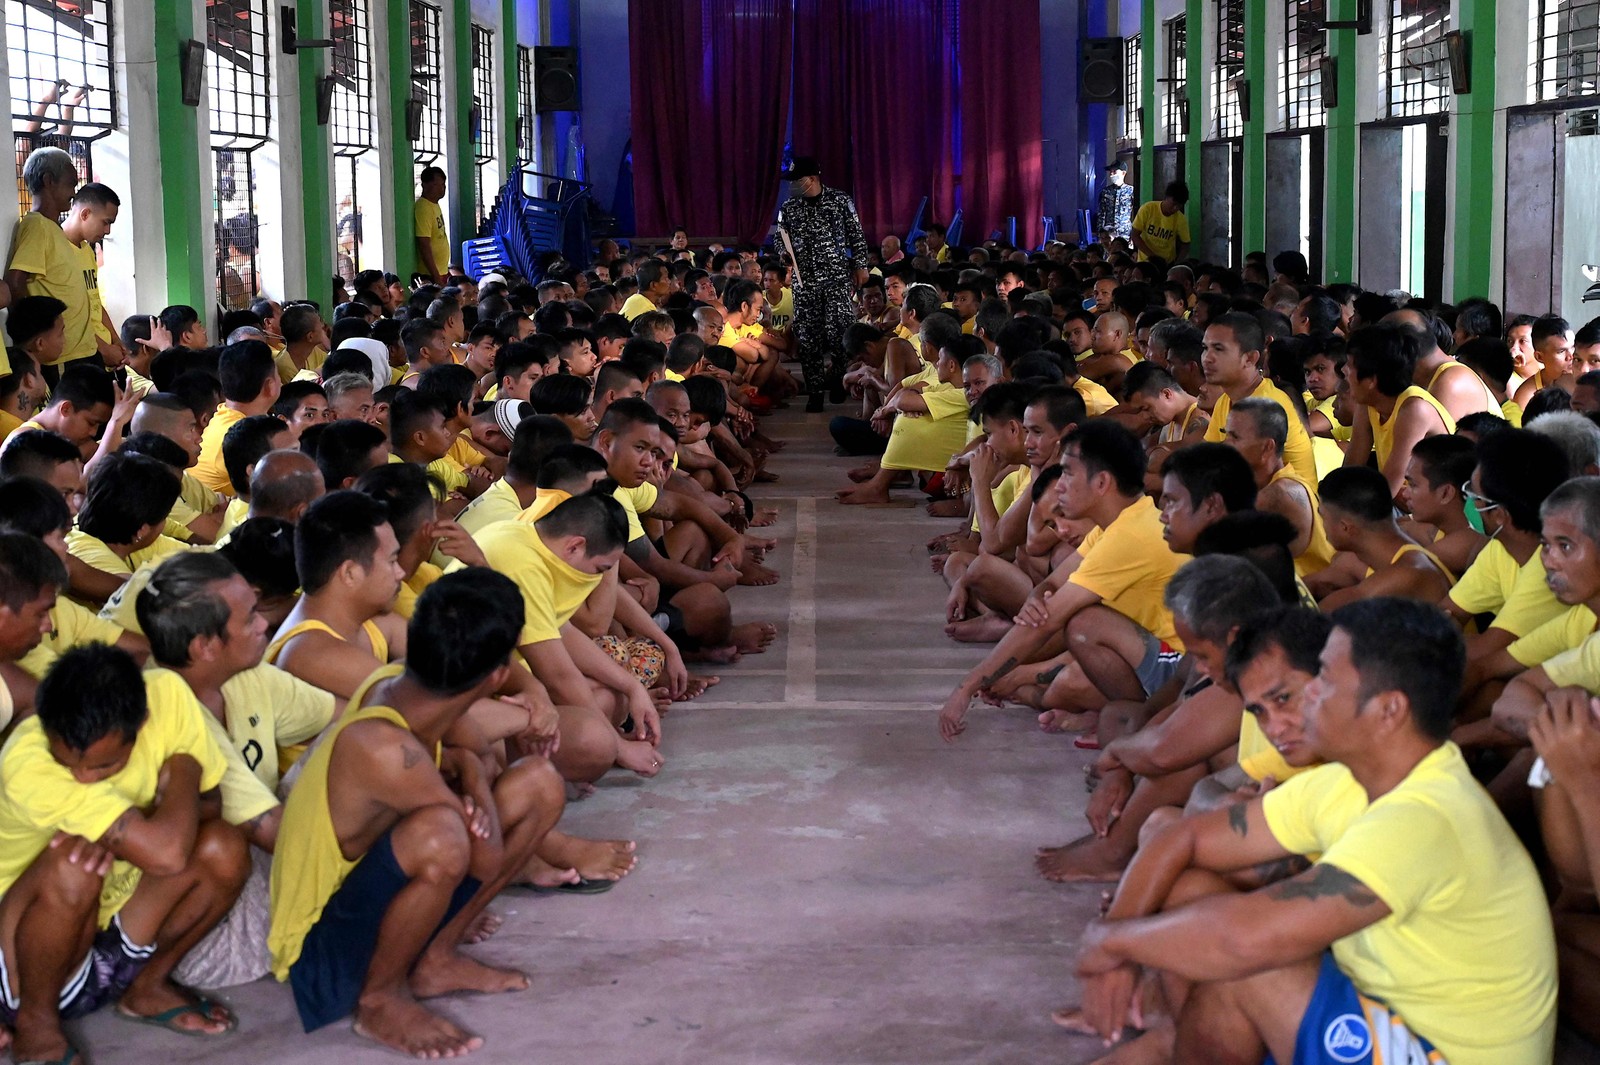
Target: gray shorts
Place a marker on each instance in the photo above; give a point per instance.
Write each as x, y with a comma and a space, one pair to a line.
1160, 662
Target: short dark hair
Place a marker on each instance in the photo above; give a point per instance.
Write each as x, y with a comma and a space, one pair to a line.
244, 369
1479, 318
1261, 537
342, 449
464, 627
32, 507
340, 527
599, 519
628, 412
707, 398
36, 453
643, 357
1146, 378
27, 568
262, 550
1178, 192
297, 322
84, 387
1519, 469
1298, 631
560, 393
1549, 326
1489, 356
407, 490
1408, 646
1208, 469
1106, 447
514, 358
294, 393
1247, 332
181, 602
157, 447
92, 692
126, 493
537, 435
1387, 353
243, 445
568, 463
32, 315
178, 318
1445, 459
417, 334
1360, 491
345, 360
411, 411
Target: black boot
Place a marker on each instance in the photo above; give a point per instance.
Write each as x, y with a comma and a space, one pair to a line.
814, 403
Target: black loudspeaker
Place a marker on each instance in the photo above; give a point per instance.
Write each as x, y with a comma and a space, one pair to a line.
1100, 70
555, 79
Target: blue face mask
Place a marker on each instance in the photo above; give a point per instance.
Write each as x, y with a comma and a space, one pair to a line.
1089, 304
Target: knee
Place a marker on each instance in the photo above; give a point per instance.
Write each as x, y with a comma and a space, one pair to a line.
532, 786
71, 885
431, 843
222, 853
588, 745
1158, 820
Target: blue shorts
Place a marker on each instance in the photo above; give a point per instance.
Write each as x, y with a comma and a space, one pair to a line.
103, 975
1344, 1027
332, 968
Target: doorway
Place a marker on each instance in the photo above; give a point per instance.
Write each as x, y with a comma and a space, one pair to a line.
1294, 195
1552, 212
1222, 201
1403, 180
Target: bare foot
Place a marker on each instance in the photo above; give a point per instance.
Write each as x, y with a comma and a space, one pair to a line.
1083, 861
1152, 1048
148, 1002
720, 656
487, 924
942, 542
863, 473
987, 628
594, 859
698, 686
39, 1045
947, 508
445, 971
541, 873
404, 1025
763, 518
936, 562
766, 477
753, 637
579, 790
755, 575
662, 699
862, 496
759, 543
639, 757
1068, 720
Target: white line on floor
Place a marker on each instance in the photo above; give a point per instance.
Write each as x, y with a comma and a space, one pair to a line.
929, 706
738, 672
801, 665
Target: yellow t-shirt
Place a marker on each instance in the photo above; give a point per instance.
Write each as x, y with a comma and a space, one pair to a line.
449, 472
1096, 400
1128, 564
54, 266
95, 553
208, 469
783, 310
9, 423
635, 501
237, 514
732, 335
72, 625
1579, 666
552, 591
1515, 594
1467, 954
429, 219
1258, 757
1006, 492
39, 797
1161, 232
1563, 632
1297, 450
90, 265
543, 503
927, 442
497, 503
1511, 413
635, 305
464, 453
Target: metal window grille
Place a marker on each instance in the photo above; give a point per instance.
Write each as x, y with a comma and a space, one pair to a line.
351, 123
63, 93
1228, 72
1305, 46
527, 129
1416, 62
239, 57
426, 87
1176, 111
483, 116
1567, 35
1133, 89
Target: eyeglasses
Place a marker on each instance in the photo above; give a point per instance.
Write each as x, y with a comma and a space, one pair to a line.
1481, 502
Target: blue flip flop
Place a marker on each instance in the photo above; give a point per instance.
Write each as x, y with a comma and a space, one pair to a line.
201, 1007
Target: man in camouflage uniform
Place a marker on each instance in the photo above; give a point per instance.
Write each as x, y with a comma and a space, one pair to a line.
829, 250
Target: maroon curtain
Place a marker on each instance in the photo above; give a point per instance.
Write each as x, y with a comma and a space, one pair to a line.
710, 104
1001, 125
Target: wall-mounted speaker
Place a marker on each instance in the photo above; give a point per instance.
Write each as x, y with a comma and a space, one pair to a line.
555, 79
1100, 70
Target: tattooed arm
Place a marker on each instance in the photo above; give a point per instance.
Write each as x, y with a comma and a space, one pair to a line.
160, 839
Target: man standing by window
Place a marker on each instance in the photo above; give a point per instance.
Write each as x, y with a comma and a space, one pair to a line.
433, 244
43, 261
1115, 215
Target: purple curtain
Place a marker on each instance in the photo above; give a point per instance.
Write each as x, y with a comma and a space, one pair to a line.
710, 104
1001, 124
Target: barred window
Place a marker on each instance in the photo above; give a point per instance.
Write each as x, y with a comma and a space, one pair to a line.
1133, 88
485, 174
527, 125
1567, 46
426, 87
239, 58
1228, 73
1416, 63
63, 92
351, 122
1305, 45
1176, 111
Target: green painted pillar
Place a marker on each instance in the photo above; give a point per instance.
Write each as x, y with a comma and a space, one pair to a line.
402, 187
509, 83
1194, 91
316, 164
1253, 231
465, 222
1149, 123
186, 232
1475, 152
1340, 156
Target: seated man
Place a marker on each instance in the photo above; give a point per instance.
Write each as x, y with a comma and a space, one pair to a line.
1440, 467
115, 862
1160, 763
1110, 354
250, 385
1103, 603
1151, 391
86, 405
382, 867
536, 437
199, 509
346, 449
1420, 925
419, 432
1235, 362
246, 444
1359, 515
119, 527
1552, 347
1258, 429
350, 396
1378, 366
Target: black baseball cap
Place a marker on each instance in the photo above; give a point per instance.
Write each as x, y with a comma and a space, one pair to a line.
1117, 164
801, 166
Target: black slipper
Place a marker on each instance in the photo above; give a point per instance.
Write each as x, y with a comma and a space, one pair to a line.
582, 887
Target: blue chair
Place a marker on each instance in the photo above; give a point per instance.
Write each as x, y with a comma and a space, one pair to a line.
952, 232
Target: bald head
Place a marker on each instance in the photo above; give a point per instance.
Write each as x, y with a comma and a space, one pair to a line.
283, 484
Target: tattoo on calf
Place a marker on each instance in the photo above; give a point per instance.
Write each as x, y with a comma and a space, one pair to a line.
1322, 882
1049, 675
1239, 819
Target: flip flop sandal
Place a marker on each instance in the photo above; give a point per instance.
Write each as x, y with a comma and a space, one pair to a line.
582, 887
1086, 743
166, 1018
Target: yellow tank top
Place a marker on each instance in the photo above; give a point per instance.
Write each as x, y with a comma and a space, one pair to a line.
1452, 365
380, 645
1383, 431
309, 864
1406, 549
1319, 552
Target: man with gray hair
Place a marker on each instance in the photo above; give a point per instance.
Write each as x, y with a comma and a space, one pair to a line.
1574, 434
44, 261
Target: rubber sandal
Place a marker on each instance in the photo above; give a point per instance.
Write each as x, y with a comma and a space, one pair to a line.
1086, 743
582, 887
202, 1006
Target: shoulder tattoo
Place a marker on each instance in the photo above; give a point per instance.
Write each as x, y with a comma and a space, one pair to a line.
1324, 881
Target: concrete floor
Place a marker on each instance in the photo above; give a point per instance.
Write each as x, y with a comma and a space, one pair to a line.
821, 879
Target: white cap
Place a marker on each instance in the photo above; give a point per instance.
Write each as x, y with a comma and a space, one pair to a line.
375, 350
